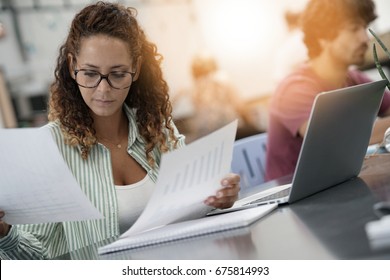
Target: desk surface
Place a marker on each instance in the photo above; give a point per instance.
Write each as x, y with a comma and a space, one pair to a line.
328, 225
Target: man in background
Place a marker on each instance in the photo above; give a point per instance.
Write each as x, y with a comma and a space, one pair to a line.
335, 34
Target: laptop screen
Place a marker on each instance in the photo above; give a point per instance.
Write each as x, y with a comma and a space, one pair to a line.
337, 138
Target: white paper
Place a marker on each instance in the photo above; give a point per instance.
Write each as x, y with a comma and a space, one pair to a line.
378, 233
186, 178
36, 185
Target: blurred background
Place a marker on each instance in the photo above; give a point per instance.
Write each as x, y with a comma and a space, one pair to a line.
240, 38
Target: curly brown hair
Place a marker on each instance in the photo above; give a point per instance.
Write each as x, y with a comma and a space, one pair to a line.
148, 94
322, 19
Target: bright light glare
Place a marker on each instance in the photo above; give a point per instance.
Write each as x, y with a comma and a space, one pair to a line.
238, 26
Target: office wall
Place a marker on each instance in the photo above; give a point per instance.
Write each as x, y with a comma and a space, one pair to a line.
242, 34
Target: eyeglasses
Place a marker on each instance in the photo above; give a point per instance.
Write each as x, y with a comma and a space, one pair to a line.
91, 78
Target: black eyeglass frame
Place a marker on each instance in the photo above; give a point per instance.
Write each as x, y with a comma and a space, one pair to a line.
104, 77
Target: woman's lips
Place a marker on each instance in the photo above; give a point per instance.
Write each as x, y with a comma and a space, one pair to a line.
103, 102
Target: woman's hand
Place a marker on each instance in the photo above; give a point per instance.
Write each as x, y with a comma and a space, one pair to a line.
4, 227
228, 194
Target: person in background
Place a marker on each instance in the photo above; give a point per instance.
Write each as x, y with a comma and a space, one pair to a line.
292, 51
213, 101
2, 30
110, 116
7, 113
335, 34
2, 35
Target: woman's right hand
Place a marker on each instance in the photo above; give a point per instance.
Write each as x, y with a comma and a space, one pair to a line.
4, 227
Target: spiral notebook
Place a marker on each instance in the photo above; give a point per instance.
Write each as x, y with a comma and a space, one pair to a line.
189, 229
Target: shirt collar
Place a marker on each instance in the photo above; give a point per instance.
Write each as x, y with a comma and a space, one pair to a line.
133, 127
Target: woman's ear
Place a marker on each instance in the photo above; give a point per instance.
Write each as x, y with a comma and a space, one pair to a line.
138, 68
71, 62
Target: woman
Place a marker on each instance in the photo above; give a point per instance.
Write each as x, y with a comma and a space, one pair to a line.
110, 115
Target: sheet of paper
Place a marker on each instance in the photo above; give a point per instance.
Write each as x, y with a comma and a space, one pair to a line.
186, 178
36, 185
378, 233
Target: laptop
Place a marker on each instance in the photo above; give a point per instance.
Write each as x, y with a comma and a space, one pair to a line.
334, 146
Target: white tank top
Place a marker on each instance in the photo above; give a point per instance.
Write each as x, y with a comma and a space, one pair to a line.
132, 200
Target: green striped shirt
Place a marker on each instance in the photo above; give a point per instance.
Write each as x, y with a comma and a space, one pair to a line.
94, 175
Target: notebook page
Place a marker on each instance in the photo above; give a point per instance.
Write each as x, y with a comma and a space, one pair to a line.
188, 229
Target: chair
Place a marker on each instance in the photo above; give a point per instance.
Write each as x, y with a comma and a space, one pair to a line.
249, 160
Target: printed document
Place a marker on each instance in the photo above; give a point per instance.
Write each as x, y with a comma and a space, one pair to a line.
186, 178
36, 185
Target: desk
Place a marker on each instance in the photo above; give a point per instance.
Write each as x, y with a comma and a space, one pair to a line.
327, 225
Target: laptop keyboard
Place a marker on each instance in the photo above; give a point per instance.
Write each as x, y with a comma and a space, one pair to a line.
273, 196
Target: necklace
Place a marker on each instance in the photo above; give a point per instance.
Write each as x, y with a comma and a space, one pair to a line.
112, 143
122, 136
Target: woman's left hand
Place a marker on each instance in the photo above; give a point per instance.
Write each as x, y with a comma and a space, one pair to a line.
228, 194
